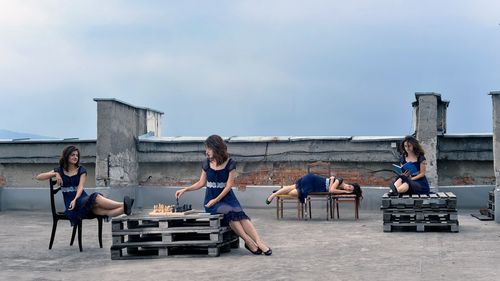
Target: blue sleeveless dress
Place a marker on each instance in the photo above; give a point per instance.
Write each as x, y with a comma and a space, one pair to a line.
420, 186
311, 183
216, 181
84, 203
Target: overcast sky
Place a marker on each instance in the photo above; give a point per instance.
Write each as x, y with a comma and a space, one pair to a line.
248, 68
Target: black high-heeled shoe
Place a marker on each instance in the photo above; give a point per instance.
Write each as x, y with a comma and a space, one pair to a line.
267, 200
268, 252
256, 252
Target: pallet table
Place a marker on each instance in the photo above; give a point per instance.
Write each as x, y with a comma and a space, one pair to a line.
434, 212
146, 236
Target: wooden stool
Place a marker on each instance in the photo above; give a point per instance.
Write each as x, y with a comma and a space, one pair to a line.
320, 196
282, 199
349, 198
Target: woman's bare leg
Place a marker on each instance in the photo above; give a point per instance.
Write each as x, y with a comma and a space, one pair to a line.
252, 232
108, 212
402, 188
238, 228
105, 203
282, 191
398, 182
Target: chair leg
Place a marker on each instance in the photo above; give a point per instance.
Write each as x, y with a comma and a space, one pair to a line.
80, 235
73, 234
53, 234
99, 223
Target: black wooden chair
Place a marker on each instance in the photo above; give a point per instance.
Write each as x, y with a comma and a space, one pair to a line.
56, 216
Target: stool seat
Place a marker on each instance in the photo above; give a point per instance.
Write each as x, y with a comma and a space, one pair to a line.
282, 199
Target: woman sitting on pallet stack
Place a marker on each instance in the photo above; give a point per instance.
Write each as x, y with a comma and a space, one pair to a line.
314, 183
411, 182
79, 205
217, 175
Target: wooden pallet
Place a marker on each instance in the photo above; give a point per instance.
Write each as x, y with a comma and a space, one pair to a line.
440, 200
164, 222
152, 236
420, 216
451, 226
161, 251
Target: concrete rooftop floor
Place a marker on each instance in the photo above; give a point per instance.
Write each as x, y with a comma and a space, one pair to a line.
342, 249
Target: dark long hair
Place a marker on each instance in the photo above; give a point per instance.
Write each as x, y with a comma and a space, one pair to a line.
64, 160
417, 148
357, 190
219, 147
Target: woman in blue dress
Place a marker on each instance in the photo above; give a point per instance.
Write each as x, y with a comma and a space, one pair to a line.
314, 183
408, 183
217, 174
78, 204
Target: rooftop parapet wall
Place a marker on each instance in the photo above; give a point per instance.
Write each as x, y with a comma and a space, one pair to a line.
463, 159
21, 161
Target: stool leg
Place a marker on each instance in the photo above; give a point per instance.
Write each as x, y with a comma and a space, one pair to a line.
337, 206
309, 210
277, 208
327, 210
356, 204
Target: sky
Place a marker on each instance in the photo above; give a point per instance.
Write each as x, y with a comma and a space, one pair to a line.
248, 68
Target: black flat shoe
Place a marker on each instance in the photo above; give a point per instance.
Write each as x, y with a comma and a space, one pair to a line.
394, 190
268, 252
127, 205
131, 204
267, 201
257, 252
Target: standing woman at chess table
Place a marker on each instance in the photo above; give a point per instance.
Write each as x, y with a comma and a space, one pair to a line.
217, 174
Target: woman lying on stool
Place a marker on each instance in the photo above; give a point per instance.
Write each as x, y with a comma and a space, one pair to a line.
406, 182
314, 183
71, 177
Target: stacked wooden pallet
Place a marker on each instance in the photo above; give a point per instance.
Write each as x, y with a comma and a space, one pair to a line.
146, 236
491, 204
434, 212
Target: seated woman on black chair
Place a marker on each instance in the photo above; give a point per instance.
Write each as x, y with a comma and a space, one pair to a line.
78, 204
314, 183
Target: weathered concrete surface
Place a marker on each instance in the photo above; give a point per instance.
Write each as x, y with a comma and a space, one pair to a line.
302, 250
462, 160
426, 131
118, 125
495, 96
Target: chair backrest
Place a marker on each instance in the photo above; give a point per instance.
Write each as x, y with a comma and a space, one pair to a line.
320, 168
53, 192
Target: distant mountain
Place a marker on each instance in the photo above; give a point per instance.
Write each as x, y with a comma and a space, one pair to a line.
6, 134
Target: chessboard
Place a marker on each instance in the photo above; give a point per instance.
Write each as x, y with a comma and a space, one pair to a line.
171, 210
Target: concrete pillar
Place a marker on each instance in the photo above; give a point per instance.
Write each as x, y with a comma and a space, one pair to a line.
429, 121
495, 96
118, 126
